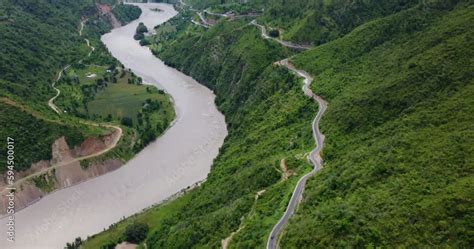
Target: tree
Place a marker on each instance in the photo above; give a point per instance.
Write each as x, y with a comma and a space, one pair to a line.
76, 244
274, 33
141, 28
139, 36
136, 232
127, 121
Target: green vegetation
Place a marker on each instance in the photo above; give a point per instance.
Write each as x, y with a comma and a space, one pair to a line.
274, 33
202, 4
400, 145
146, 108
237, 8
136, 232
126, 13
153, 216
320, 21
39, 38
140, 32
398, 149
269, 120
76, 244
47, 183
34, 134
113, 94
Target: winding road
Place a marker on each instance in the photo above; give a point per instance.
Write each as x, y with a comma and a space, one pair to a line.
284, 43
116, 135
60, 74
203, 22
314, 156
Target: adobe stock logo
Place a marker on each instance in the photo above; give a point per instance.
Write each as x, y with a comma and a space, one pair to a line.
10, 177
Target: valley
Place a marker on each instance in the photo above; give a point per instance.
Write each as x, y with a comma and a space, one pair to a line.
146, 171
242, 124
367, 87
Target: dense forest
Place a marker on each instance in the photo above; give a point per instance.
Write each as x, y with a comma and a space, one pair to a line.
398, 152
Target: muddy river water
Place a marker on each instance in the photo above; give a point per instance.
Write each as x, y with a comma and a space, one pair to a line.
178, 159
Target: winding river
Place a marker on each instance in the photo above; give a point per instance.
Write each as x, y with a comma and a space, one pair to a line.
178, 159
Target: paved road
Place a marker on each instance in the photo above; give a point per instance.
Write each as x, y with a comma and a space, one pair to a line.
203, 22
314, 156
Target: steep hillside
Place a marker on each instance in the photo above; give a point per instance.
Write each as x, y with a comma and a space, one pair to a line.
310, 21
38, 37
320, 21
398, 148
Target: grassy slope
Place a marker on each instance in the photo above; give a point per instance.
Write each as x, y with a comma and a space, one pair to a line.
387, 178
399, 147
126, 100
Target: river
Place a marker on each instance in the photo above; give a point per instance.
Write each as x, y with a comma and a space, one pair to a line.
178, 159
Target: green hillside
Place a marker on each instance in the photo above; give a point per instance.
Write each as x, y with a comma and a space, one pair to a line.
320, 21
398, 151
399, 148
39, 38
268, 119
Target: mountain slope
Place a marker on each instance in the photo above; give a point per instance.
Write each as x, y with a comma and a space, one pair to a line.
38, 38
398, 148
398, 153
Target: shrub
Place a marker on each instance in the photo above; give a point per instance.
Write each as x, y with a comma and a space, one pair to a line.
136, 232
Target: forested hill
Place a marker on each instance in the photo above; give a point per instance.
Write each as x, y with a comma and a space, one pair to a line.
319, 21
398, 155
38, 39
312, 21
